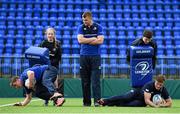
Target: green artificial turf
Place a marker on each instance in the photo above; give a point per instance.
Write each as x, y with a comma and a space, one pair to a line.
74, 105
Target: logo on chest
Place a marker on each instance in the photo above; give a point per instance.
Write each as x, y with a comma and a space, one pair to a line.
94, 29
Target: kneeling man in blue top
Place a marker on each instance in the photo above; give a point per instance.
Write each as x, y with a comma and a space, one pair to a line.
40, 79
90, 36
136, 98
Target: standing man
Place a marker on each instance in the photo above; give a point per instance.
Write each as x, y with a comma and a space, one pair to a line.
90, 36
146, 40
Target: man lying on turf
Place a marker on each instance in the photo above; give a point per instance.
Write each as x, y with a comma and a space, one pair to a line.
39, 79
143, 97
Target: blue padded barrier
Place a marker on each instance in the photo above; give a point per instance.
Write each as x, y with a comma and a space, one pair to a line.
141, 65
37, 55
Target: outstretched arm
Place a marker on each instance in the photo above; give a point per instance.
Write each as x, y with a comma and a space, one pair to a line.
147, 98
167, 103
26, 100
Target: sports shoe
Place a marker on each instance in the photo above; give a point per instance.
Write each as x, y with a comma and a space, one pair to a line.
101, 102
60, 101
96, 104
46, 102
56, 95
86, 105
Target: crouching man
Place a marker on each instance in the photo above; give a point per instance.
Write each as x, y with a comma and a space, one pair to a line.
39, 79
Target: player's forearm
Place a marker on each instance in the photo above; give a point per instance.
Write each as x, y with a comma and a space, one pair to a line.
83, 40
99, 40
150, 103
26, 100
167, 104
96, 42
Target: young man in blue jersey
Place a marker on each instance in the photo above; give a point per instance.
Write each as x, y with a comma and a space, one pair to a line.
41, 81
90, 36
137, 98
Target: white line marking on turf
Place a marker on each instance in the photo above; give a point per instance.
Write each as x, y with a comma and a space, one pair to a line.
14, 103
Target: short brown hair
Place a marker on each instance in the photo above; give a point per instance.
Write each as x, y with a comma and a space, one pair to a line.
148, 34
87, 14
13, 79
160, 78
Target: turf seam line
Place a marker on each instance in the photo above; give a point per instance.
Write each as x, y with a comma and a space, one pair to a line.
14, 103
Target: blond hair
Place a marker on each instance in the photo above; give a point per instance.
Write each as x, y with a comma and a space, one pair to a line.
87, 14
54, 31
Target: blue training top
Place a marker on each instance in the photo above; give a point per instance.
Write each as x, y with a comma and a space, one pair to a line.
93, 31
38, 71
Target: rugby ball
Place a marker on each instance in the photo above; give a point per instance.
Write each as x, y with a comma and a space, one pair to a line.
27, 83
157, 99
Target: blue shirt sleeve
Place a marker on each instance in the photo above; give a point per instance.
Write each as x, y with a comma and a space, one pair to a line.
100, 30
80, 30
23, 76
38, 71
